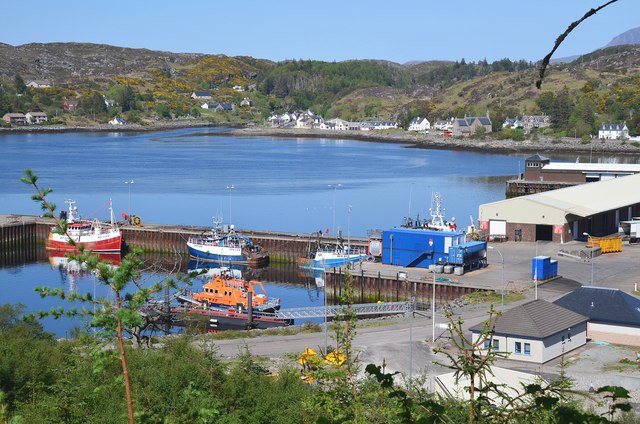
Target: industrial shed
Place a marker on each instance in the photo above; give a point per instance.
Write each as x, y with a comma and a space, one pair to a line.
564, 214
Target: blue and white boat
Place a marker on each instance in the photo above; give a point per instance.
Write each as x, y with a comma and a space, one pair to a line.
331, 256
224, 245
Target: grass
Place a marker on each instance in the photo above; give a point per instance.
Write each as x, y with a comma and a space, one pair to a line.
492, 297
279, 331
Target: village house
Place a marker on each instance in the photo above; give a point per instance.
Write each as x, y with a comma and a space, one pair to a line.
36, 117
225, 107
109, 102
419, 124
613, 132
443, 125
117, 121
512, 123
39, 83
469, 126
308, 119
70, 105
536, 331
377, 125
210, 105
15, 118
201, 95
246, 102
238, 88
530, 122
338, 124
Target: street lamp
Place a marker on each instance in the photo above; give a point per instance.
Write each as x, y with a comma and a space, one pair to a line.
591, 256
349, 226
129, 183
502, 276
230, 187
335, 188
433, 309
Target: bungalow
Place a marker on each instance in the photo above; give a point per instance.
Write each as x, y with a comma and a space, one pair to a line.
39, 83
225, 107
443, 125
15, 118
246, 102
537, 331
36, 117
109, 102
614, 316
530, 122
70, 105
210, 105
613, 131
238, 88
117, 121
201, 95
469, 126
378, 125
338, 125
419, 124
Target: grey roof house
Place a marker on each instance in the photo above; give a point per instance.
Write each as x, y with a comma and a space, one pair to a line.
537, 331
469, 126
614, 316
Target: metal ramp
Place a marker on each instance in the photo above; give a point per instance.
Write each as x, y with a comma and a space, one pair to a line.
358, 309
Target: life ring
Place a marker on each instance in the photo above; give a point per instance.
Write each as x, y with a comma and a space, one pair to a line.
137, 221
370, 258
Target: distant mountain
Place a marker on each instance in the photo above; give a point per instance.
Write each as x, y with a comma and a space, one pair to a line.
628, 37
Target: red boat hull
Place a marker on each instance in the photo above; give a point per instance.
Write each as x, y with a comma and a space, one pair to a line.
113, 244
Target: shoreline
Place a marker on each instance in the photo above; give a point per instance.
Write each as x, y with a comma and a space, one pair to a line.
424, 141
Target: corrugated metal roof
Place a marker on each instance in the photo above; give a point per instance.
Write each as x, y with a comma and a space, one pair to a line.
581, 200
604, 305
593, 167
537, 319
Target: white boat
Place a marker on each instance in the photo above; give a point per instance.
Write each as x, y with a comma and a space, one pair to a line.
437, 221
330, 256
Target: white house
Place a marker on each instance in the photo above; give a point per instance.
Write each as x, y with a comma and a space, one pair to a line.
39, 84
117, 121
201, 95
537, 331
209, 105
238, 88
309, 119
614, 316
419, 124
335, 124
246, 102
36, 117
613, 131
378, 125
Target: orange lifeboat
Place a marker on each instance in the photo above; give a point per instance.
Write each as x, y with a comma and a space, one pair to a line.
226, 291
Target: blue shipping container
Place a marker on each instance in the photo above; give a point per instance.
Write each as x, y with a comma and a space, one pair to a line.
411, 247
467, 253
543, 268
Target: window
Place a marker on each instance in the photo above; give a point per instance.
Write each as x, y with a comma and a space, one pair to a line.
518, 348
527, 348
496, 344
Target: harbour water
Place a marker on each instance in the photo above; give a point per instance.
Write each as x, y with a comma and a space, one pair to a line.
188, 176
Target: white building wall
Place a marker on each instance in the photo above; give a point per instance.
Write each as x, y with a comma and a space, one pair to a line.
616, 334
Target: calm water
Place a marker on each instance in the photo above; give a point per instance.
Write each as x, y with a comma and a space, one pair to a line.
189, 176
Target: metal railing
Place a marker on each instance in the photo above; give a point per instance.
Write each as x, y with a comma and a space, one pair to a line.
358, 309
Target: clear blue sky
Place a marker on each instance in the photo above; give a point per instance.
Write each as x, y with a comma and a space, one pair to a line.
325, 30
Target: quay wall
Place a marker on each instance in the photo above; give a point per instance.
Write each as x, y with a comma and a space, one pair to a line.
374, 287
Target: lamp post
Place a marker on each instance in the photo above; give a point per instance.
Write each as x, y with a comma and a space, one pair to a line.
335, 188
591, 256
502, 276
433, 309
349, 226
129, 183
230, 187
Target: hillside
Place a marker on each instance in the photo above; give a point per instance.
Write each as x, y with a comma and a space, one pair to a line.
157, 84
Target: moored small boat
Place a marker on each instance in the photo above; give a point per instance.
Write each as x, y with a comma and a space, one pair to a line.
330, 256
225, 246
92, 234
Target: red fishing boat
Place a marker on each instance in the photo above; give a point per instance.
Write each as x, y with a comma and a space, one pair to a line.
92, 234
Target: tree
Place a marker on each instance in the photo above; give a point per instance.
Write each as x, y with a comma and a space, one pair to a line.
92, 104
21, 87
114, 318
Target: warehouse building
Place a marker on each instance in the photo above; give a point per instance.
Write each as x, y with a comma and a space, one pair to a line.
564, 214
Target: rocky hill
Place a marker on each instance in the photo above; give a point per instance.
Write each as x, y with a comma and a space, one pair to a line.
628, 37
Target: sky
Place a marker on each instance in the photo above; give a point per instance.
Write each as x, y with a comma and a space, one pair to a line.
330, 30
